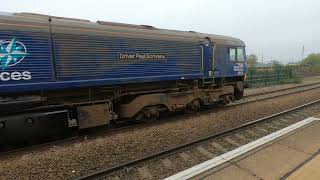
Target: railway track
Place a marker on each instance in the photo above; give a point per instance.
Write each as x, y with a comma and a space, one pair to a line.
176, 159
100, 131
280, 89
276, 93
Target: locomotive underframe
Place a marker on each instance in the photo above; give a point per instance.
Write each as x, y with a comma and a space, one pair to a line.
98, 106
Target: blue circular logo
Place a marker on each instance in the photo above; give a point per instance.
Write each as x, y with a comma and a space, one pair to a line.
11, 53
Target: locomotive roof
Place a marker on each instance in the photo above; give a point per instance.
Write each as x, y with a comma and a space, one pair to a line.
70, 25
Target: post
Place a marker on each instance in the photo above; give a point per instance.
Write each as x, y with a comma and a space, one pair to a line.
302, 55
250, 84
266, 78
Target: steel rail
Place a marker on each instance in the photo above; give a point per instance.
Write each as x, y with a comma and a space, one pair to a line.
118, 129
242, 101
107, 171
281, 89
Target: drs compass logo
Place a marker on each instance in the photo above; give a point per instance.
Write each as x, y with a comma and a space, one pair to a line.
12, 52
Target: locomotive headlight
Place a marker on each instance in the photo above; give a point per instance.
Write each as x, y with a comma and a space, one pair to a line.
2, 125
29, 121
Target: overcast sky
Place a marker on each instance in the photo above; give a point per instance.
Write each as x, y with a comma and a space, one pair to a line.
276, 28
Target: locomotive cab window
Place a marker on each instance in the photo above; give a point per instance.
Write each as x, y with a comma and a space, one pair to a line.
237, 54
240, 54
232, 52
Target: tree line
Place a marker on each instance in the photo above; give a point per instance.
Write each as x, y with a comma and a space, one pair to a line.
311, 60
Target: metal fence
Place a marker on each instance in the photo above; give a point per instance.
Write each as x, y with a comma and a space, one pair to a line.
261, 77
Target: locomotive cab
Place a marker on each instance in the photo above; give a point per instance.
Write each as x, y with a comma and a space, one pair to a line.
224, 62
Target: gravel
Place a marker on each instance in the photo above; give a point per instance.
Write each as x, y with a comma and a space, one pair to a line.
61, 162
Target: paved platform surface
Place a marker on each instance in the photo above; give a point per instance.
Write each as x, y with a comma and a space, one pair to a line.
309, 170
293, 156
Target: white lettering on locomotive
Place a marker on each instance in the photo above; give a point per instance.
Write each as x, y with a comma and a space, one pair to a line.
15, 76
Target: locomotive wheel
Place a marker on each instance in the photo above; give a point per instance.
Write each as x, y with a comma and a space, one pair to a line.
238, 94
193, 107
119, 122
225, 101
148, 114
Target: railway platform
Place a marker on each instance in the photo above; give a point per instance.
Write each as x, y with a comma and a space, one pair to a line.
294, 155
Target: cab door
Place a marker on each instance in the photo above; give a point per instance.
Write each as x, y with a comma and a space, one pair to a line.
208, 59
213, 49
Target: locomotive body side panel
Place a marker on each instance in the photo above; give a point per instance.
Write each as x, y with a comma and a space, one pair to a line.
25, 54
46, 54
117, 60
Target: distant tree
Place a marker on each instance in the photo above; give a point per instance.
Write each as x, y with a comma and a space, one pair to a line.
312, 59
252, 60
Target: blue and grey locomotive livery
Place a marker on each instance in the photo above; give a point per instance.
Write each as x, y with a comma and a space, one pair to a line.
90, 74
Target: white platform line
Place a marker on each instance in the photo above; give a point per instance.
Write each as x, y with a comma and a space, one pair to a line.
207, 165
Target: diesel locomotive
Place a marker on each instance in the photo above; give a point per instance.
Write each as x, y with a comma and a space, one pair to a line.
62, 72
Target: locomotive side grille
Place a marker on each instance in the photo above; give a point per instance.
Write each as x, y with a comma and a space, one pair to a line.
79, 56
